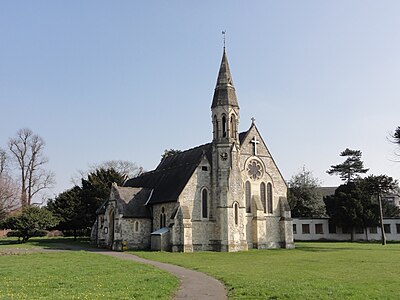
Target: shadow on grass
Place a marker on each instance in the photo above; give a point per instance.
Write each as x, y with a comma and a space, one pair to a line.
47, 243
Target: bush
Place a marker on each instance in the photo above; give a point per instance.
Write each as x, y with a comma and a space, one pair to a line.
31, 222
19, 234
81, 232
13, 233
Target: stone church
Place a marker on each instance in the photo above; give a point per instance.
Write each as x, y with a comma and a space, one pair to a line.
227, 195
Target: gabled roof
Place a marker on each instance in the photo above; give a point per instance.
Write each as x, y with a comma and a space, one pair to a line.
131, 201
242, 136
224, 93
172, 174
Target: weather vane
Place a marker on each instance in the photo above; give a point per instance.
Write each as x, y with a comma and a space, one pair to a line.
223, 36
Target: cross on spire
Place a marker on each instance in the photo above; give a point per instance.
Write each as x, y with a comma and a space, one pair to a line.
223, 36
255, 142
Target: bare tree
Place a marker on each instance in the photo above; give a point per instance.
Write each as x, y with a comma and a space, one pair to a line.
9, 191
123, 167
8, 187
3, 160
27, 150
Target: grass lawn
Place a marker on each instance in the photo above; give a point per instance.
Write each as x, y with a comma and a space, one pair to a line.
77, 275
311, 271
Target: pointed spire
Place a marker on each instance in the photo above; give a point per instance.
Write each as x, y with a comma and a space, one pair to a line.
224, 93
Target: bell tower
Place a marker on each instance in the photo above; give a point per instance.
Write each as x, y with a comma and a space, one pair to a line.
227, 191
225, 108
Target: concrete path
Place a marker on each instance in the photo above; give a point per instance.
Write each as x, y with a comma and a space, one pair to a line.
194, 285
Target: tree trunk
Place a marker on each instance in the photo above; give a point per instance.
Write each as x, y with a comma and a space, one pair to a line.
75, 235
381, 220
352, 229
24, 202
366, 234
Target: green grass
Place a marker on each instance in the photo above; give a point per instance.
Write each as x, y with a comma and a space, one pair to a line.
78, 275
311, 271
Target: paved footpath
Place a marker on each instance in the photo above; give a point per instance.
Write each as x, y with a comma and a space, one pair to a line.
194, 285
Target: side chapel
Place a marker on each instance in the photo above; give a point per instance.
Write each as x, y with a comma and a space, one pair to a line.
227, 195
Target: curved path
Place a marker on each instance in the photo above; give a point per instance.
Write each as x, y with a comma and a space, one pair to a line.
194, 285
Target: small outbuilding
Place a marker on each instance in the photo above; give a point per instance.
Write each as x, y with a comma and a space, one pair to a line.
160, 240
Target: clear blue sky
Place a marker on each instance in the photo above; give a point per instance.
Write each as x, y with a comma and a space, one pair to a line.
103, 80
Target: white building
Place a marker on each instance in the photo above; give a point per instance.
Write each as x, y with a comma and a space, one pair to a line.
305, 229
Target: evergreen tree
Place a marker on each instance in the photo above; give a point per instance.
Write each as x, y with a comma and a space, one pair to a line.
303, 196
96, 189
351, 167
69, 209
30, 222
351, 206
396, 135
376, 186
76, 208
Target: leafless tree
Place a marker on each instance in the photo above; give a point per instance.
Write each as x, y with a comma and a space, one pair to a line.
9, 199
123, 167
3, 160
8, 187
27, 151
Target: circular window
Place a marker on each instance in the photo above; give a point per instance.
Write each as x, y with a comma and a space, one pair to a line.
254, 169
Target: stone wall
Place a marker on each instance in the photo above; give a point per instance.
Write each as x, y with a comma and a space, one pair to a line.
263, 229
198, 229
169, 210
136, 233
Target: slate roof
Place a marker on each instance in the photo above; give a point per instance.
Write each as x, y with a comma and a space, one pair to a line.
224, 93
172, 174
131, 202
242, 136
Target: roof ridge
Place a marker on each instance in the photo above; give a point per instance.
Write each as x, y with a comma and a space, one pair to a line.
190, 149
156, 170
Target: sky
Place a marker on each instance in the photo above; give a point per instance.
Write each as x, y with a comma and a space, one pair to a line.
124, 80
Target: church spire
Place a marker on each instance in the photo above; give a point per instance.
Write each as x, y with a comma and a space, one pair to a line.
224, 93
224, 108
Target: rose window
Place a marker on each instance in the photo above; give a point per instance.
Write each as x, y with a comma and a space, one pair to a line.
254, 169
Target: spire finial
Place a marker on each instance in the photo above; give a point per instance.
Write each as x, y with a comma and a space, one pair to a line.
223, 36
253, 121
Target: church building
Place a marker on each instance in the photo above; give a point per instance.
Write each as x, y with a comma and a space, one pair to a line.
227, 195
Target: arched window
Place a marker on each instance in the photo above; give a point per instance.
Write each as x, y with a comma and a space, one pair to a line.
162, 218
223, 126
269, 197
204, 203
236, 209
136, 226
263, 196
233, 126
216, 134
248, 196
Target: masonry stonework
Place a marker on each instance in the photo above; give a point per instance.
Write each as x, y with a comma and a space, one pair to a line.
227, 195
